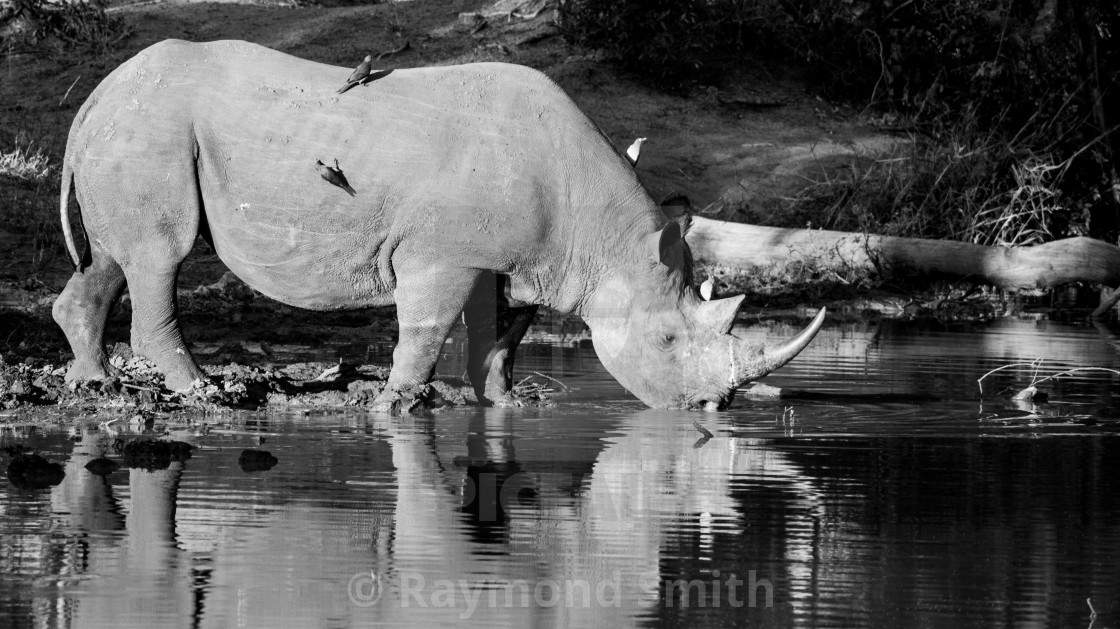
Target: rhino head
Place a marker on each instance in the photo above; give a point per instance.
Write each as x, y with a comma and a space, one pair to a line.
666, 345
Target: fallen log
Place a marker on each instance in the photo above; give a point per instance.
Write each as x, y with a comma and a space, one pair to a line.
741, 246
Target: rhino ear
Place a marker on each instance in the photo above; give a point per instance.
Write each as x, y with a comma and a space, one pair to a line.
669, 243
685, 221
676, 204
677, 207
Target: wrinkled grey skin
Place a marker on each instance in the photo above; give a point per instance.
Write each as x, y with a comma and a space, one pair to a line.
483, 191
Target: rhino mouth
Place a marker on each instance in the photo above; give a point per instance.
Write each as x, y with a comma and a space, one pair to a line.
709, 403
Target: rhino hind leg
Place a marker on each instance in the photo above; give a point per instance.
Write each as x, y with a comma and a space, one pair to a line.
494, 331
82, 310
429, 301
155, 325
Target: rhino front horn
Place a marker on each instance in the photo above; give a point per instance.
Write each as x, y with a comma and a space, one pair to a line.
753, 361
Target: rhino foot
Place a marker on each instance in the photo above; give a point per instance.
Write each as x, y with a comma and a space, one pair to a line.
398, 401
183, 380
84, 369
506, 400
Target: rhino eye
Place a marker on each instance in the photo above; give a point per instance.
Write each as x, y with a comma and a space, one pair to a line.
666, 340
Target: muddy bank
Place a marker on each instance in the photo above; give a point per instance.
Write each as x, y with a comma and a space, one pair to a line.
138, 395
258, 355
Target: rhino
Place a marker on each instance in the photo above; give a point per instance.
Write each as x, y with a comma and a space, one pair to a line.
481, 191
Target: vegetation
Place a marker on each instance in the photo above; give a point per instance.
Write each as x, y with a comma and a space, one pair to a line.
75, 24
1009, 101
984, 192
24, 164
27, 177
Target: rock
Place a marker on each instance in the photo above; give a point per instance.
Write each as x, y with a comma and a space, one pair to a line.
760, 391
256, 461
31, 471
102, 466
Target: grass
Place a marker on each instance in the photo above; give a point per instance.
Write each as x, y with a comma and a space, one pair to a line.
77, 25
1021, 215
29, 185
25, 164
961, 186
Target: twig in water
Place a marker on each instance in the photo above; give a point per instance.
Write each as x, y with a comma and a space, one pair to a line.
1035, 380
980, 380
566, 387
704, 431
1073, 371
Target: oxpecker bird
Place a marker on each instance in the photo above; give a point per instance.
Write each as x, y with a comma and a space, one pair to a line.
334, 176
359, 74
707, 289
635, 151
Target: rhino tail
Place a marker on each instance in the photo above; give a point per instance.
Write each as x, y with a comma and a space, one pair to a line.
63, 207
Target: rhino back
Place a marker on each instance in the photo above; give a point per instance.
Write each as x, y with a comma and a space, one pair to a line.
483, 165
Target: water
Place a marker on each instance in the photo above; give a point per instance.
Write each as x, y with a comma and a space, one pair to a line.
884, 491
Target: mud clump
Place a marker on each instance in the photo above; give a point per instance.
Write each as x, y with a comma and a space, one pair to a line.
137, 387
311, 386
31, 471
102, 466
256, 461
23, 384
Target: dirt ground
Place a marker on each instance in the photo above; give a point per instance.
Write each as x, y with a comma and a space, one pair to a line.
733, 149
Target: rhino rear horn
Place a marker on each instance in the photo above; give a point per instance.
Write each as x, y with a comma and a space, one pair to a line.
719, 314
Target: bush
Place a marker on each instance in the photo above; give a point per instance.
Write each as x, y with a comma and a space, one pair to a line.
1039, 79
984, 193
81, 24
673, 43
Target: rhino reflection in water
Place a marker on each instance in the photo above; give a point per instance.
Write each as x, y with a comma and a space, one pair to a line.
126, 538
481, 189
159, 554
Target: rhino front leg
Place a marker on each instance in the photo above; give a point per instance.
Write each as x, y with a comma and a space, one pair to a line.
155, 325
81, 311
428, 303
494, 330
